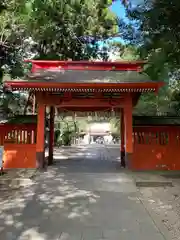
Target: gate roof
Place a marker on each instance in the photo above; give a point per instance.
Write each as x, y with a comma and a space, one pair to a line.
83, 76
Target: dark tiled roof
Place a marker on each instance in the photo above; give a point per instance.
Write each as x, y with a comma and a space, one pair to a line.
88, 76
155, 121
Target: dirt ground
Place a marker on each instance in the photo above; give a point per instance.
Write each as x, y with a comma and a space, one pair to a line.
163, 205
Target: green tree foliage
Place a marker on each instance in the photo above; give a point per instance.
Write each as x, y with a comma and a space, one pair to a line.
69, 29
123, 51
58, 29
155, 27
63, 30
11, 37
11, 54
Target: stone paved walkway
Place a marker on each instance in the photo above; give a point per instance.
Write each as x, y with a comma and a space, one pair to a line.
82, 197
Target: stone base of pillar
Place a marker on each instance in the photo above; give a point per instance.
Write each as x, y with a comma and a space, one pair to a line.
50, 160
123, 161
40, 160
128, 159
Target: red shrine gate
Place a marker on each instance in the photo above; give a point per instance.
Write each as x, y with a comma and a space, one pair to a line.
79, 86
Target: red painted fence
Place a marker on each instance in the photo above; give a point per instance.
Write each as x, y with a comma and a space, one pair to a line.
156, 148
19, 141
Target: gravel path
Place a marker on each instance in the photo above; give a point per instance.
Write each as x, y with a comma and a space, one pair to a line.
163, 204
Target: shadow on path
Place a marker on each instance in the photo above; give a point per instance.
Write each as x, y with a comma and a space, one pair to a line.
80, 198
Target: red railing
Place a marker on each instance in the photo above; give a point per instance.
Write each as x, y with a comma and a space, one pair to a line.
17, 133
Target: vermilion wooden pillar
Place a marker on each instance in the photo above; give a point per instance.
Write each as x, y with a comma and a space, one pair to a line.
40, 148
123, 163
128, 134
51, 135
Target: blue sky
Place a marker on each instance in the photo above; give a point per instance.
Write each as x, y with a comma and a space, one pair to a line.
119, 10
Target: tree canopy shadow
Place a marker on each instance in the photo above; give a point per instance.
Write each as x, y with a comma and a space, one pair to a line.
58, 201
45, 208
